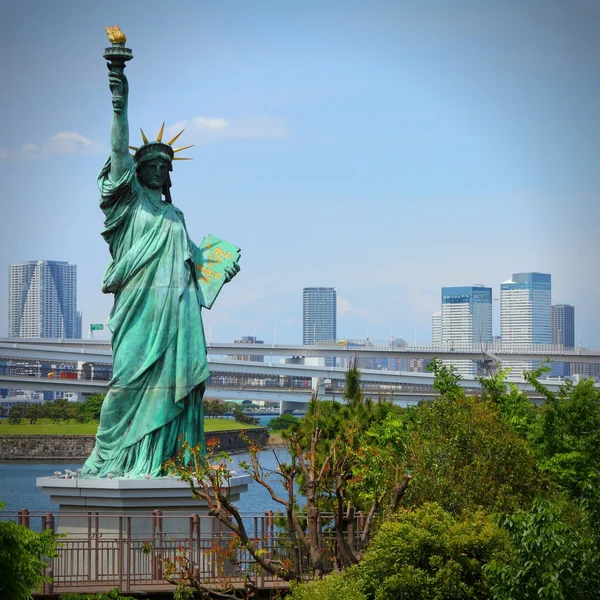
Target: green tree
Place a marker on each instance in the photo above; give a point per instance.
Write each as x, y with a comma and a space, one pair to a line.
554, 556
568, 434
241, 417
463, 454
92, 406
430, 553
447, 380
515, 406
283, 422
33, 412
16, 414
24, 555
59, 410
214, 408
341, 585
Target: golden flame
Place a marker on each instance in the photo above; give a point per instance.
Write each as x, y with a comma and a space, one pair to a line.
115, 34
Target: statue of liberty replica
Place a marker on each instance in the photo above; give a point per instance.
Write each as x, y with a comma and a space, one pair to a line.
160, 281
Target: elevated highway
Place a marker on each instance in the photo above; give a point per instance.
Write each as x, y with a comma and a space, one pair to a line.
100, 351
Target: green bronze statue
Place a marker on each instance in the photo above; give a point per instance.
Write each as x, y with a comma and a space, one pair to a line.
160, 280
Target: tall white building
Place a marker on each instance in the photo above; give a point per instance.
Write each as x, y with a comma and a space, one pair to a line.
319, 317
43, 300
525, 315
464, 322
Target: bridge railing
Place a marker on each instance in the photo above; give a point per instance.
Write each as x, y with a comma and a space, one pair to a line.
494, 347
133, 551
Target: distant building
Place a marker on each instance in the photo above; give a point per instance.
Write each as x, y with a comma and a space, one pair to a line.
319, 317
563, 325
436, 329
248, 339
417, 365
464, 322
563, 334
43, 300
525, 315
585, 369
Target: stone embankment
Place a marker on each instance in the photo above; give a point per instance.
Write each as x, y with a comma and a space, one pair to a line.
79, 447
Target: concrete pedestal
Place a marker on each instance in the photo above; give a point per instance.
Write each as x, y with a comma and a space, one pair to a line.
109, 500
119, 532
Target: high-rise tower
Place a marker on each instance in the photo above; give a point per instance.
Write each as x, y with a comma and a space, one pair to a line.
563, 334
525, 314
466, 321
319, 316
43, 300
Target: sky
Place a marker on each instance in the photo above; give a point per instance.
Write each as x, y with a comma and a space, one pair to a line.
386, 149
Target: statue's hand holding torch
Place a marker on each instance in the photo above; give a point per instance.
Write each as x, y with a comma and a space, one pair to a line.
117, 55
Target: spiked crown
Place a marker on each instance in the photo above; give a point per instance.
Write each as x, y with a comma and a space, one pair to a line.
151, 150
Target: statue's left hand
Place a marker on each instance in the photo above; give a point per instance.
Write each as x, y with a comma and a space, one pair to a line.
231, 271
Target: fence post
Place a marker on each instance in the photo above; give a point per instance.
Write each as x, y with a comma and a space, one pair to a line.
48, 525
157, 528
23, 518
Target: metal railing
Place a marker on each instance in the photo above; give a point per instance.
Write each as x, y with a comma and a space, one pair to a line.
498, 347
132, 551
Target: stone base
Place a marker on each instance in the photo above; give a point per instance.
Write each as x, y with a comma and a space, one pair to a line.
120, 532
100, 506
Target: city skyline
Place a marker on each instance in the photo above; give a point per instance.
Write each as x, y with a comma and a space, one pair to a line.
465, 320
43, 300
440, 321
385, 150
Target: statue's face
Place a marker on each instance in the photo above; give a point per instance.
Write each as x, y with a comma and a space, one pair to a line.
153, 173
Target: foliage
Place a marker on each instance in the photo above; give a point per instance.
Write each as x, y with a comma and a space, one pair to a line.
283, 422
24, 555
241, 417
33, 412
514, 405
111, 595
16, 414
463, 454
345, 585
214, 408
552, 557
379, 473
92, 406
323, 451
429, 553
447, 380
60, 410
568, 435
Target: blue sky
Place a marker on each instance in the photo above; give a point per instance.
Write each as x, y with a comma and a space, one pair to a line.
383, 148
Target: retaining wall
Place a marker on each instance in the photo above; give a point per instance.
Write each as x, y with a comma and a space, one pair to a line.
79, 447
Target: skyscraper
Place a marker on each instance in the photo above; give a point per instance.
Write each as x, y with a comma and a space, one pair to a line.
525, 314
563, 333
43, 300
319, 316
466, 320
436, 329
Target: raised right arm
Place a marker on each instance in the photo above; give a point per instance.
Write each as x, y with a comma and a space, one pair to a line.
120, 158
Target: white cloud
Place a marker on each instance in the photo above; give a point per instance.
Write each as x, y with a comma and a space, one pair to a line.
211, 124
63, 142
345, 308
205, 130
67, 142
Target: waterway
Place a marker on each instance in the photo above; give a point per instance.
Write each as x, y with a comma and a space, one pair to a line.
18, 489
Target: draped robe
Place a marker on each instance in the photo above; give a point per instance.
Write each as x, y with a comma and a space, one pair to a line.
159, 350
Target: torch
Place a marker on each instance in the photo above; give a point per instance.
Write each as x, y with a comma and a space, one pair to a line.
117, 55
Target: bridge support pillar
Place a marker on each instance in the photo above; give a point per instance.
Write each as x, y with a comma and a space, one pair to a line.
318, 387
287, 408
